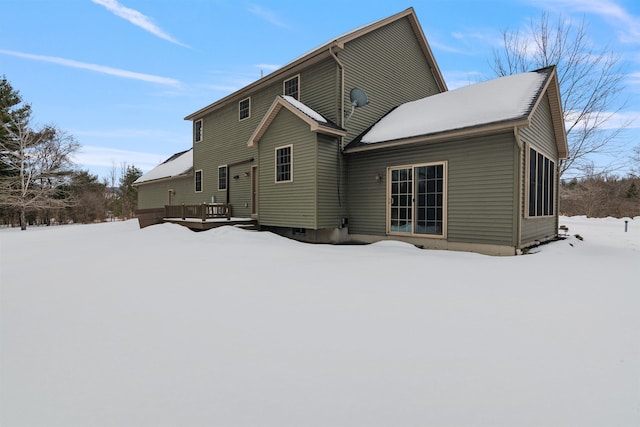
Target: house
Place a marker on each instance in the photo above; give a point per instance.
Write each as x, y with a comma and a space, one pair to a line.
468, 169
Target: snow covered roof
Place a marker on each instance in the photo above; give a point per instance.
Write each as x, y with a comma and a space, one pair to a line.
178, 164
305, 109
499, 100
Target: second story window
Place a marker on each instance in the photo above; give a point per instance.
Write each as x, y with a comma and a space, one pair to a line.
292, 87
197, 130
244, 108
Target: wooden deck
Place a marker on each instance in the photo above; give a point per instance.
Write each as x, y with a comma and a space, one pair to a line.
196, 217
199, 225
205, 216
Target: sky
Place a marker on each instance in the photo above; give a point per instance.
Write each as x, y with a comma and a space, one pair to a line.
120, 76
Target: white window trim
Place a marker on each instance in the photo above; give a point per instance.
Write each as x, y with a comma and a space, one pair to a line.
226, 180
527, 184
201, 130
299, 85
201, 181
240, 119
445, 194
275, 177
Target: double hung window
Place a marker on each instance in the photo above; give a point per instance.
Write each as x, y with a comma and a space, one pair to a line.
284, 164
292, 87
244, 109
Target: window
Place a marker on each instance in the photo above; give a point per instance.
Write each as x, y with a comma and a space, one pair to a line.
222, 177
244, 108
198, 181
284, 162
542, 178
197, 130
292, 87
417, 196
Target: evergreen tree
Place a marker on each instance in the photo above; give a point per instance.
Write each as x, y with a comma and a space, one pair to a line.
129, 193
34, 162
88, 197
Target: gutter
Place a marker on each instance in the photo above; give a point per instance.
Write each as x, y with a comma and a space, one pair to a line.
165, 178
470, 132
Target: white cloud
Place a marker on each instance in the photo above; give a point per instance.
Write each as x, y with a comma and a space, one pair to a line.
137, 19
626, 24
123, 133
458, 79
634, 80
95, 67
107, 157
610, 121
267, 15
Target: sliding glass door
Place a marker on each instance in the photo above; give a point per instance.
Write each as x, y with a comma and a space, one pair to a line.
417, 199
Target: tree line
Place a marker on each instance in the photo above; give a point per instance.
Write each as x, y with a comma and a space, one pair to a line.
600, 196
39, 183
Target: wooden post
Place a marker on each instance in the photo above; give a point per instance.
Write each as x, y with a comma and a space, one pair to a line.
183, 215
203, 215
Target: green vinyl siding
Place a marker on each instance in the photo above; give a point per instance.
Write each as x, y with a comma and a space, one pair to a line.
288, 204
539, 136
389, 65
480, 186
331, 192
156, 194
319, 88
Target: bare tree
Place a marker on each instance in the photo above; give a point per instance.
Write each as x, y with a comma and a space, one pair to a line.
591, 81
37, 162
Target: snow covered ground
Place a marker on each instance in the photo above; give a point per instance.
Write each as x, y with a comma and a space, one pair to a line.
109, 325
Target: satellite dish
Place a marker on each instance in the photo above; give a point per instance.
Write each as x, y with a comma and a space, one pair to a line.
358, 99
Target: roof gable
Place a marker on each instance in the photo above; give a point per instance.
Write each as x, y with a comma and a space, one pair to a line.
315, 120
326, 50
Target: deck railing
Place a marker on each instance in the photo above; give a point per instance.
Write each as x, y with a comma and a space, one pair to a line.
204, 211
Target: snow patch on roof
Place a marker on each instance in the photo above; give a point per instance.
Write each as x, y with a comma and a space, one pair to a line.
306, 110
175, 165
497, 100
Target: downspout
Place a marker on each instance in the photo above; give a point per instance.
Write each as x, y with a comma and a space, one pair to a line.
519, 185
341, 119
335, 57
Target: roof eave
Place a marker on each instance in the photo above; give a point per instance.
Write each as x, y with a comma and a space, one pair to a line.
166, 178
448, 135
555, 102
